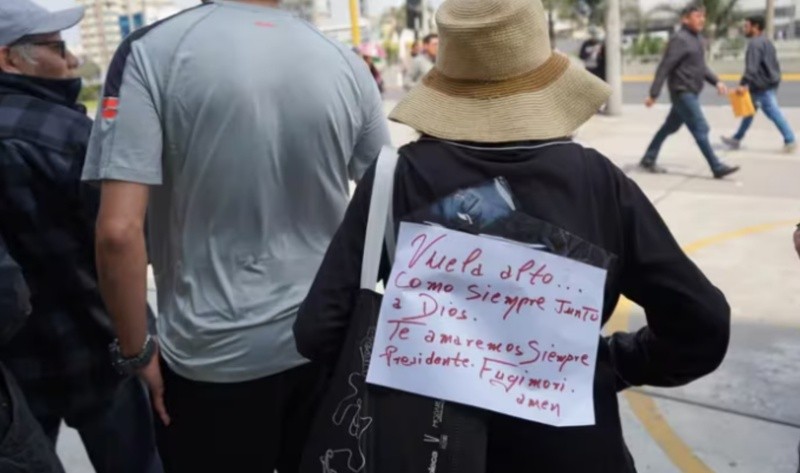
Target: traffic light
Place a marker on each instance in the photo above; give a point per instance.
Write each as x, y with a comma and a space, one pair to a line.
413, 14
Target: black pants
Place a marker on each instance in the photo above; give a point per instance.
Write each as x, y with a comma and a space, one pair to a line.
253, 427
24, 448
118, 437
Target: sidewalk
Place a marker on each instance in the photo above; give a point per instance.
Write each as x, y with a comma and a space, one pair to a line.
745, 418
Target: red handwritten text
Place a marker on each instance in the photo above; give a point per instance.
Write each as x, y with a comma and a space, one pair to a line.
540, 404
514, 304
440, 261
584, 314
390, 354
500, 373
529, 271
553, 356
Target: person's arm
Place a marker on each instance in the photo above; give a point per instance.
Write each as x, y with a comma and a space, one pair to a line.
122, 261
324, 317
409, 79
677, 50
127, 164
752, 64
711, 77
584, 52
797, 240
374, 132
688, 319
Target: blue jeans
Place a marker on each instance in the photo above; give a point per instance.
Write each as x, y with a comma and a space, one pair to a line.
119, 438
768, 102
685, 110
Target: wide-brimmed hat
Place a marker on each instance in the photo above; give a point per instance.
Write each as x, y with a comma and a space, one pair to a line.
497, 79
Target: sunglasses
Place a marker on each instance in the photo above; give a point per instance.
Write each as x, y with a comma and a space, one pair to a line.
58, 46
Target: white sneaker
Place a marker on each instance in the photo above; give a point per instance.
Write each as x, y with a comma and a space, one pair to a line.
790, 148
732, 143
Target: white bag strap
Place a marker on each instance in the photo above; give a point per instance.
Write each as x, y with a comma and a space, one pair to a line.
380, 222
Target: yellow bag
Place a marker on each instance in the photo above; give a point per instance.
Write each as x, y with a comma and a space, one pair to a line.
742, 104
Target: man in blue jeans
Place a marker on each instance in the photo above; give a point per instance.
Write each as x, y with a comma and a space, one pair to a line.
684, 68
762, 76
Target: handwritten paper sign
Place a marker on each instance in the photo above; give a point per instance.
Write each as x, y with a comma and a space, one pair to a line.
492, 324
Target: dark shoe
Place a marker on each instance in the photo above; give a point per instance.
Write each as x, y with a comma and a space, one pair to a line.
652, 167
725, 170
732, 143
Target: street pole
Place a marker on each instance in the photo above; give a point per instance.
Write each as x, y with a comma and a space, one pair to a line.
551, 24
614, 57
355, 26
770, 20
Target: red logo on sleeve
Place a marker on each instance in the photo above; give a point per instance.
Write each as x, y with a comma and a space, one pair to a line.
110, 107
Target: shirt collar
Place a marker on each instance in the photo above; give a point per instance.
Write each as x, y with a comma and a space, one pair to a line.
61, 91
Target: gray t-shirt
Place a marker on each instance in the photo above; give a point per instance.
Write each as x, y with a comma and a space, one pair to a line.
248, 123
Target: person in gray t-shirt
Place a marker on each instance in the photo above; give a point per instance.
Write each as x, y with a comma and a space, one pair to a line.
241, 126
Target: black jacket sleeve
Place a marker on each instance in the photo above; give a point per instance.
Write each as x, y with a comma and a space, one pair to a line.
324, 317
677, 49
753, 60
688, 319
711, 77
15, 303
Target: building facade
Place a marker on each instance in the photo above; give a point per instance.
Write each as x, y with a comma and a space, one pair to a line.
332, 17
108, 22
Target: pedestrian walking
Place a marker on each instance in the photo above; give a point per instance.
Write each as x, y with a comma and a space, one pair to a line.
60, 357
499, 104
423, 62
762, 77
593, 53
23, 445
685, 70
244, 154
368, 53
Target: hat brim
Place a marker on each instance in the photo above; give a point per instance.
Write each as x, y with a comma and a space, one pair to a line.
58, 21
500, 112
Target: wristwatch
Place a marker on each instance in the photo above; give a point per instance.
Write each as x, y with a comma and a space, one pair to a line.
129, 366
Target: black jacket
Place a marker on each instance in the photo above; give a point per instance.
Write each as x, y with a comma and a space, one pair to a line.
762, 69
15, 304
47, 219
583, 193
684, 65
23, 446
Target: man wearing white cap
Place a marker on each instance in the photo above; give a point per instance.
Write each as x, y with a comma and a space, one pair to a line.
60, 356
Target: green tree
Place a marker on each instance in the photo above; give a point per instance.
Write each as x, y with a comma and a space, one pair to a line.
89, 71
596, 9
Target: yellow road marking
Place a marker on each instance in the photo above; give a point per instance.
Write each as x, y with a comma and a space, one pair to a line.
643, 406
677, 451
647, 78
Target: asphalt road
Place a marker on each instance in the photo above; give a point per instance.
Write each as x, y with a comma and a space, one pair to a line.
636, 92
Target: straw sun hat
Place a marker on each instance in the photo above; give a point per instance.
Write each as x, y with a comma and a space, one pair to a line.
496, 78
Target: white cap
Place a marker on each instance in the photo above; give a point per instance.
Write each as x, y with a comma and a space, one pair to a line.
20, 18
